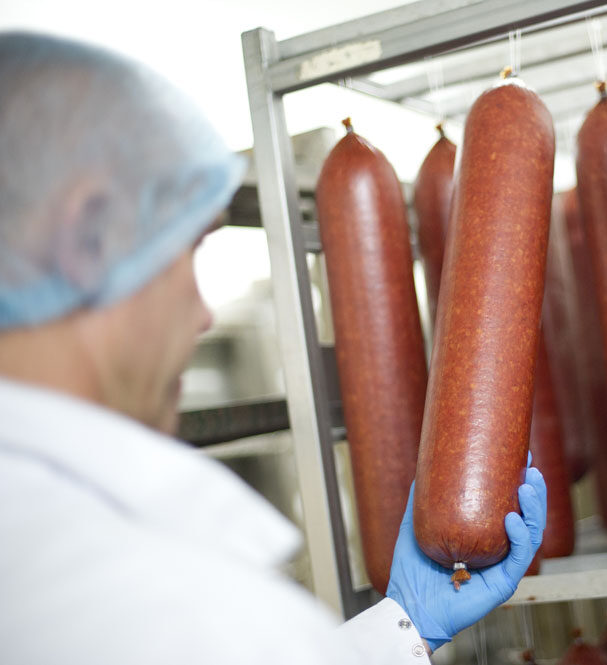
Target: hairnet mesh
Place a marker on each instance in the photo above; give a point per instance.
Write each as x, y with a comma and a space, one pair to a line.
107, 173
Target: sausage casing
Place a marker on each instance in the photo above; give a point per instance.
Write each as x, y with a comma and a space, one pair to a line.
592, 193
581, 652
378, 337
432, 201
592, 198
565, 339
475, 432
547, 448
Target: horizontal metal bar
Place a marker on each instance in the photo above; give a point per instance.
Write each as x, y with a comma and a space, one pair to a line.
561, 74
378, 22
230, 422
206, 427
244, 211
571, 100
580, 576
486, 62
547, 81
371, 51
367, 86
312, 241
235, 421
561, 587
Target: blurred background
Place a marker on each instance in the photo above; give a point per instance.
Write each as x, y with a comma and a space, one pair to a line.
234, 388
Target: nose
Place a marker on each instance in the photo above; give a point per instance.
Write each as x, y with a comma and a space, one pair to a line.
203, 313
205, 316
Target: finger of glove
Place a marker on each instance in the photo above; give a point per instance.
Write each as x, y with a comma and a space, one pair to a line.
534, 477
521, 551
529, 458
408, 516
534, 513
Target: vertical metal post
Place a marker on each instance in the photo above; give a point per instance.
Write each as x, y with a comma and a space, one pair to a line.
301, 357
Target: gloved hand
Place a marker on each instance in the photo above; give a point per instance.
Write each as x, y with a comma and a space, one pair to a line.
423, 588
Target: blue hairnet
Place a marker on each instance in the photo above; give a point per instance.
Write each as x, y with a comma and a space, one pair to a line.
107, 174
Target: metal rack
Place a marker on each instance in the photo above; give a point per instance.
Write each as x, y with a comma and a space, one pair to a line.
349, 54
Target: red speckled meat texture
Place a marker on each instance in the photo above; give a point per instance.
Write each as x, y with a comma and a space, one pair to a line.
548, 450
591, 242
475, 433
432, 200
565, 340
378, 337
592, 192
582, 653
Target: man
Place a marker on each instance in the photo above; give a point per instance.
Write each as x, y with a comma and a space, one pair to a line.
119, 545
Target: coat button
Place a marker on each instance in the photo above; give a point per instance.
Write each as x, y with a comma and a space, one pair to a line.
418, 650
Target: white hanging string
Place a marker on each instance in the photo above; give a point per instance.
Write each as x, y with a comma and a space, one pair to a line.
576, 612
436, 82
514, 42
527, 621
595, 35
514, 46
479, 639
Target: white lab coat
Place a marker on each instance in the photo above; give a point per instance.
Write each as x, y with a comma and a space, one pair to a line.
119, 546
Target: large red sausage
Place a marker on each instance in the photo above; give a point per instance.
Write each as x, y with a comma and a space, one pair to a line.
592, 359
593, 378
477, 416
592, 192
592, 197
378, 336
432, 202
565, 341
582, 653
546, 445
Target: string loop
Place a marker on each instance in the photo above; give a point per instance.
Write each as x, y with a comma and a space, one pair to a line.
436, 83
514, 42
595, 30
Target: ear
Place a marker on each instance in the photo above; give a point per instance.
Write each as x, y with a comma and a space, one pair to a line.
81, 228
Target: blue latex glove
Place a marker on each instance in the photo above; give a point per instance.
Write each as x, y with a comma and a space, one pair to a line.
424, 590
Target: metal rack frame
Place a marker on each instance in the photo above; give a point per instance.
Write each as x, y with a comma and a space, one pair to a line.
273, 68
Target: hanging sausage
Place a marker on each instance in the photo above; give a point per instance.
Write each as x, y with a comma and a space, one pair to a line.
477, 418
378, 337
592, 197
592, 194
546, 445
582, 653
432, 201
564, 341
592, 363
592, 369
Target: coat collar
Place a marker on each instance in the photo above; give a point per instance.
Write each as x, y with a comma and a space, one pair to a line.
149, 477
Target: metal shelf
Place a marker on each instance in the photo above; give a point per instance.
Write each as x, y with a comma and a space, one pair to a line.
553, 62
410, 33
234, 421
580, 576
354, 49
